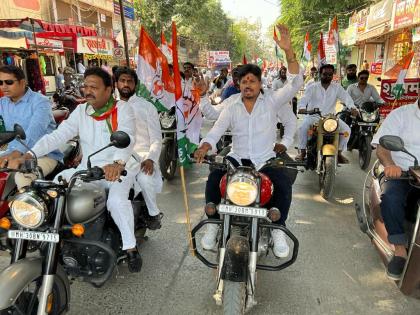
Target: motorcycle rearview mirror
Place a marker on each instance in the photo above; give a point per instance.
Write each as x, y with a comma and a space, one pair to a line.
120, 139
395, 143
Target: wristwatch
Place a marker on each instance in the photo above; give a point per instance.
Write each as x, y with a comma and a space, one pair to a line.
120, 162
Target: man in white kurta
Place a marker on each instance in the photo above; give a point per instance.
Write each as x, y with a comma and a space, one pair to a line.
94, 132
148, 142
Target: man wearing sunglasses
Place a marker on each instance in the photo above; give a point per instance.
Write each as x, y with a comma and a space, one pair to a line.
362, 91
20, 105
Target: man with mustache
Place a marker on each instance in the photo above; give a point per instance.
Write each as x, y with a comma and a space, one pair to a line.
324, 95
94, 122
252, 118
148, 142
351, 77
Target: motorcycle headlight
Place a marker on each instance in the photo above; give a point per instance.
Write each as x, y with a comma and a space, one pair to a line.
242, 190
28, 210
369, 116
330, 125
167, 121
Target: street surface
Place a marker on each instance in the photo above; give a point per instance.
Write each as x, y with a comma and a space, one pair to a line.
337, 271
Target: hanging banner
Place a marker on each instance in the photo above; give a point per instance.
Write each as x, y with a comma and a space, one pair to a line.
218, 58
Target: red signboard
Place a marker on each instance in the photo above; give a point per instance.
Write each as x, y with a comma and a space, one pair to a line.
411, 90
404, 12
376, 68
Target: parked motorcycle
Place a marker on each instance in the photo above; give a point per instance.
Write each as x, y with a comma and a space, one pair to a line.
245, 233
169, 154
362, 130
77, 237
322, 150
370, 219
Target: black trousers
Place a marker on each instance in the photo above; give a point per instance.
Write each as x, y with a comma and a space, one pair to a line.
282, 194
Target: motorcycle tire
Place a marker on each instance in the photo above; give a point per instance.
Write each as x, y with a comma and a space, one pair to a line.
27, 302
234, 296
365, 152
166, 163
327, 177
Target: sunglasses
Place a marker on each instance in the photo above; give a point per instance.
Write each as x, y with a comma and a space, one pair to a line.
7, 82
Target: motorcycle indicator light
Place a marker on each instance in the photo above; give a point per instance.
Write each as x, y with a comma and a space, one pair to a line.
330, 125
52, 193
5, 224
274, 214
78, 230
346, 134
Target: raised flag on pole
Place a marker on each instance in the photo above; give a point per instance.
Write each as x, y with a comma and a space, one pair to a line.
333, 35
322, 60
155, 83
165, 47
399, 71
307, 48
189, 118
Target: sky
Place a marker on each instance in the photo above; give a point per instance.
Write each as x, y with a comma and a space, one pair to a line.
266, 10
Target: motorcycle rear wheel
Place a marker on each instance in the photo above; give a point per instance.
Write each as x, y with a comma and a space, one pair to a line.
327, 177
365, 152
234, 297
166, 163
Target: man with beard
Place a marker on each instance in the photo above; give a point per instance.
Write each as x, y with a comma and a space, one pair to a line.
351, 76
324, 95
362, 91
234, 87
281, 80
94, 122
252, 117
148, 142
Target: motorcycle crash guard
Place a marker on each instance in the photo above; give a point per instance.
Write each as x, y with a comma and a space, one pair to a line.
235, 264
17, 276
328, 149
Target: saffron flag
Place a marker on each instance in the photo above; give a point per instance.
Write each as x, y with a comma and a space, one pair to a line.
399, 71
333, 35
165, 47
307, 48
189, 118
322, 60
244, 61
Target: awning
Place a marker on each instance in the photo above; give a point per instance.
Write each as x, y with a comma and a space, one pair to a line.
16, 43
15, 32
376, 32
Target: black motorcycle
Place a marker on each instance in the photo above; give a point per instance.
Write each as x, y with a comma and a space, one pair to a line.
76, 233
169, 154
245, 233
363, 128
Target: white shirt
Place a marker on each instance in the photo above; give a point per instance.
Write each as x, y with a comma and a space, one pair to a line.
369, 94
253, 134
149, 134
403, 122
81, 68
278, 84
316, 96
285, 116
93, 135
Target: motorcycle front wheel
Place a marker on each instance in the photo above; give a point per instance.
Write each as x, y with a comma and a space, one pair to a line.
27, 302
166, 162
365, 152
234, 297
327, 177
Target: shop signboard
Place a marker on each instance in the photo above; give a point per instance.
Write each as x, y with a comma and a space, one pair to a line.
361, 20
47, 44
411, 89
94, 45
217, 58
376, 68
128, 8
416, 34
380, 13
404, 12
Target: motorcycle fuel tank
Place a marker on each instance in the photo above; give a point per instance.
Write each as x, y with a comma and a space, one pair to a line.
85, 203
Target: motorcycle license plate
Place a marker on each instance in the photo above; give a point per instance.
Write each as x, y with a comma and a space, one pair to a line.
34, 236
367, 124
243, 211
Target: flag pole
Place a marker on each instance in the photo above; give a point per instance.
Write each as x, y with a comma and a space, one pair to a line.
187, 209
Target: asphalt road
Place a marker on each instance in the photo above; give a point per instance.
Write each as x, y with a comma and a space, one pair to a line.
337, 271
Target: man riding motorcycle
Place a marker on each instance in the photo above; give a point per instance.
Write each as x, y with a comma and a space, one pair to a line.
148, 142
324, 95
93, 122
252, 119
362, 91
405, 123
20, 105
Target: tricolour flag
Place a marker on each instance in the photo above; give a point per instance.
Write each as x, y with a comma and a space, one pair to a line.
333, 35
165, 47
189, 118
399, 71
307, 48
155, 83
322, 59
